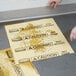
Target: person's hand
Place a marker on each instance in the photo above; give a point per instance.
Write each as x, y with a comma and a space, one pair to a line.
73, 34
54, 3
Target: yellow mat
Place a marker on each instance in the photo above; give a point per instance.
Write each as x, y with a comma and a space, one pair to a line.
36, 40
8, 68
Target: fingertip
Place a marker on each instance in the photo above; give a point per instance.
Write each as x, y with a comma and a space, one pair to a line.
52, 5
55, 6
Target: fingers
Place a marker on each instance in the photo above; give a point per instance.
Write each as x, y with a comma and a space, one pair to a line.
72, 37
73, 34
53, 4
